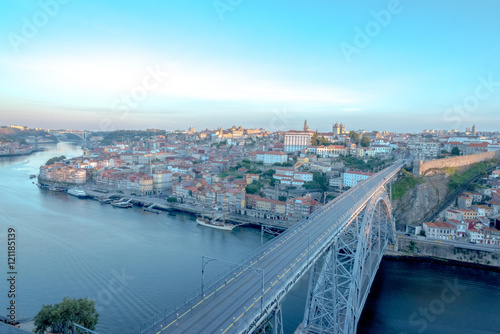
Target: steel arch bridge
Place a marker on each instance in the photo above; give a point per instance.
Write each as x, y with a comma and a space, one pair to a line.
342, 244
341, 278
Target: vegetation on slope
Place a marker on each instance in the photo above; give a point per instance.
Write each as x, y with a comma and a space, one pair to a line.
406, 182
459, 178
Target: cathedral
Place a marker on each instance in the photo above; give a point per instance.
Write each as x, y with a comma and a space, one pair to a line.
339, 129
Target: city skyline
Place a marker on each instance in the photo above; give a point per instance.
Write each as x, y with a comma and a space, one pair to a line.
388, 65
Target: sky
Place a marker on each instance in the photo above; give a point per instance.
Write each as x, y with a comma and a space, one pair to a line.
375, 65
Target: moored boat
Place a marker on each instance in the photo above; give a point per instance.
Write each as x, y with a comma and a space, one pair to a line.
122, 204
78, 193
215, 224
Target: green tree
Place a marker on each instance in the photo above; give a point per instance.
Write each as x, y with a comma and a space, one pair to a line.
365, 141
455, 151
55, 159
269, 172
315, 138
172, 199
59, 318
282, 198
354, 136
323, 141
253, 188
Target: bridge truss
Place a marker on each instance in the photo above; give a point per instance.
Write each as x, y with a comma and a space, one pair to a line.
342, 277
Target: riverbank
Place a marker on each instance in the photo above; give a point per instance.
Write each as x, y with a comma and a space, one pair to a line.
430, 251
163, 205
16, 154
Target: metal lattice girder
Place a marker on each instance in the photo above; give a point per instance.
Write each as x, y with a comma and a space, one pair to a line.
342, 277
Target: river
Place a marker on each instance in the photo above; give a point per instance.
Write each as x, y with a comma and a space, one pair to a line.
135, 264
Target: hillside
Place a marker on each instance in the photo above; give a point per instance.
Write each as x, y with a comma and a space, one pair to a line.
414, 197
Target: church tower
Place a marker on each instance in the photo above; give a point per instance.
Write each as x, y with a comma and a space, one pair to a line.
336, 129
306, 128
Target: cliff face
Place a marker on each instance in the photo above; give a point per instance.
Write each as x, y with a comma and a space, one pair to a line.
419, 201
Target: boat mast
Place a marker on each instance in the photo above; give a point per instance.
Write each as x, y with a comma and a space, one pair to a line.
203, 209
213, 207
224, 211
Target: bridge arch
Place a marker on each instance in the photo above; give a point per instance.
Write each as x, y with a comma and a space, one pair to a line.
341, 279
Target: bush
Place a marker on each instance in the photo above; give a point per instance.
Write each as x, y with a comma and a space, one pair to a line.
405, 183
459, 179
172, 199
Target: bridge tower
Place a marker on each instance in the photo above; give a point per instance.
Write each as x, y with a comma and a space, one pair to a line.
342, 277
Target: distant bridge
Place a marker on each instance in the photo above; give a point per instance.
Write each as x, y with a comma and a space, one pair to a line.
342, 244
82, 134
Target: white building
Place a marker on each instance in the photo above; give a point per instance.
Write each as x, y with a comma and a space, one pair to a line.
297, 140
352, 178
440, 230
291, 177
269, 158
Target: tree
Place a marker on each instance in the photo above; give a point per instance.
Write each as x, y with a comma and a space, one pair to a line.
314, 138
282, 198
324, 141
455, 151
365, 141
55, 159
354, 136
59, 318
172, 199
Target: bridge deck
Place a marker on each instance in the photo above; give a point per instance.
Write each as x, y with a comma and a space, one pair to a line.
237, 301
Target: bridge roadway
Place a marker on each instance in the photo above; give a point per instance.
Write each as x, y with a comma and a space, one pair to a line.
237, 302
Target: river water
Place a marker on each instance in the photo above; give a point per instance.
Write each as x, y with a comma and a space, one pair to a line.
135, 264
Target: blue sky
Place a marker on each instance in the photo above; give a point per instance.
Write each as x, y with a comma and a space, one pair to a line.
377, 65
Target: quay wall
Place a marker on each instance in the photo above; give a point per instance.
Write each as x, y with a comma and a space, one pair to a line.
420, 167
418, 250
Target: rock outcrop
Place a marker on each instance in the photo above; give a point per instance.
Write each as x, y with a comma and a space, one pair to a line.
419, 201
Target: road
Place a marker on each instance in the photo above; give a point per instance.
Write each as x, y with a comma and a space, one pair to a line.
238, 300
455, 243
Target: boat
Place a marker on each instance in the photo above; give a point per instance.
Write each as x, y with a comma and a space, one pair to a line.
214, 223
54, 188
150, 209
123, 205
32, 176
105, 200
78, 193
